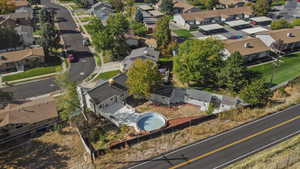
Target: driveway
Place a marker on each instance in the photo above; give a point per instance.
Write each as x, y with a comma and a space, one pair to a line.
73, 40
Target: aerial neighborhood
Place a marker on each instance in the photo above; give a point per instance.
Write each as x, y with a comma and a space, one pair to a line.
149, 84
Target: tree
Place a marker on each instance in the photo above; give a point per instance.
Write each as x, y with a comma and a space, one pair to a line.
95, 25
138, 16
68, 102
234, 75
5, 97
162, 32
6, 7
143, 78
261, 7
256, 94
296, 22
49, 38
9, 38
46, 16
117, 24
210, 4
280, 24
103, 40
198, 61
167, 6
118, 5
278, 46
139, 28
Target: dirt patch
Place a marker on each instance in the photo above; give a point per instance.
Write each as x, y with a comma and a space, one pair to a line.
51, 150
171, 112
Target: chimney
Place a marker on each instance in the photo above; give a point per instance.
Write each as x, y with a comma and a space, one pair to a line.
146, 52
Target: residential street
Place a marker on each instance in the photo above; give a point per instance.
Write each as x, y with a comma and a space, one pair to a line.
73, 41
290, 10
228, 147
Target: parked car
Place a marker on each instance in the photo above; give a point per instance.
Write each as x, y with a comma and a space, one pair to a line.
235, 37
86, 42
71, 56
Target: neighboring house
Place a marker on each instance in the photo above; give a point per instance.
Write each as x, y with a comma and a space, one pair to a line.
27, 117
15, 19
104, 95
26, 34
290, 37
140, 53
182, 7
195, 19
19, 3
101, 10
18, 60
150, 16
251, 48
232, 3
168, 95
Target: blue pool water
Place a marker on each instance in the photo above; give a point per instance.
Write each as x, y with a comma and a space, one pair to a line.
151, 122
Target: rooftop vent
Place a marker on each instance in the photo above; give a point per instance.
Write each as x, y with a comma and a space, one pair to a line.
111, 81
146, 52
247, 45
289, 34
2, 58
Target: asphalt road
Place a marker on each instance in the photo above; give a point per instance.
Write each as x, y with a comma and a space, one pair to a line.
223, 149
73, 41
290, 10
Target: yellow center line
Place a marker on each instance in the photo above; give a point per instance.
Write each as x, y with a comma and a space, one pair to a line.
234, 143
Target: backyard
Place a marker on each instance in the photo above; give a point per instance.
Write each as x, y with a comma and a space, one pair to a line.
183, 33
287, 69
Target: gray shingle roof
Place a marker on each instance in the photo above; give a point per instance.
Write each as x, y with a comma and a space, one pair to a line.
106, 90
198, 95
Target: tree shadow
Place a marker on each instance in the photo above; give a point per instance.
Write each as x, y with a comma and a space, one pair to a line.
34, 155
164, 158
69, 31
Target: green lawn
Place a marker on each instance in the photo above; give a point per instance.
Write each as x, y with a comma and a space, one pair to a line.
288, 69
85, 19
183, 33
32, 72
278, 2
108, 75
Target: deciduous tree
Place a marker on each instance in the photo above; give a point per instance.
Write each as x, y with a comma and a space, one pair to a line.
261, 7
143, 78
167, 6
198, 61
162, 32
9, 38
256, 93
234, 75
280, 24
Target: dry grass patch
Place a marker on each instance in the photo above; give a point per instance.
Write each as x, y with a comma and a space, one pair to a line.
51, 150
171, 112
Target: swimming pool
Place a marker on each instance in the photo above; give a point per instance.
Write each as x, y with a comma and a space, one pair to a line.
151, 121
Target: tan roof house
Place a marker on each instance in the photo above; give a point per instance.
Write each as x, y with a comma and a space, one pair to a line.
251, 48
180, 7
28, 116
17, 60
194, 19
290, 37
